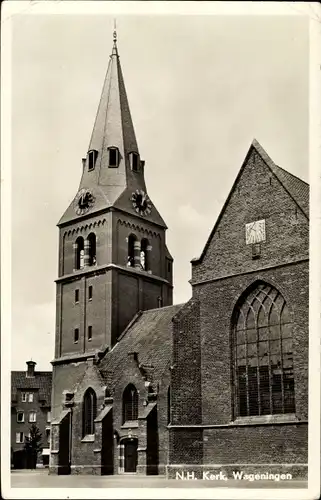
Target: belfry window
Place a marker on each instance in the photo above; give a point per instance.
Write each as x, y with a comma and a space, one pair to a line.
130, 403
92, 157
113, 157
144, 254
131, 250
79, 253
91, 249
263, 356
134, 161
89, 412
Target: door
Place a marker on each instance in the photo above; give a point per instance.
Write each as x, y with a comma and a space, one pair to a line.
131, 455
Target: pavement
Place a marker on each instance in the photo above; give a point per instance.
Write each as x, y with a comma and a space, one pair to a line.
41, 479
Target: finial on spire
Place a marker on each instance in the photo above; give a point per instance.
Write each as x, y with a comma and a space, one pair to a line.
115, 39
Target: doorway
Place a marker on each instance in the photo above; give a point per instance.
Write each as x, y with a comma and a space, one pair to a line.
130, 455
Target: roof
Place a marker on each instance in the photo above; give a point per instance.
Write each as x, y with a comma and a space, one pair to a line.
297, 189
150, 336
41, 381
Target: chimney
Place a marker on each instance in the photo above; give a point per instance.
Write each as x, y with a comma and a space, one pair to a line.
31, 368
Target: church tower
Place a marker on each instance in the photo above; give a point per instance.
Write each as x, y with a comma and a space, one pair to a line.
113, 259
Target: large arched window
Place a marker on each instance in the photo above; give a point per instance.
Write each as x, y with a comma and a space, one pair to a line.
131, 250
130, 403
144, 254
263, 358
79, 253
89, 411
91, 249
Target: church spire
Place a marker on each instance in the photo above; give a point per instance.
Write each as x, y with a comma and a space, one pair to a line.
112, 170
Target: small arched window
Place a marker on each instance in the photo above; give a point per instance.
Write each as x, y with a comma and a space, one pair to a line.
113, 156
91, 249
144, 254
92, 157
130, 403
79, 253
89, 412
263, 357
131, 250
134, 161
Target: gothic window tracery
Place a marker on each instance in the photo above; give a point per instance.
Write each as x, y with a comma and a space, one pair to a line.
263, 356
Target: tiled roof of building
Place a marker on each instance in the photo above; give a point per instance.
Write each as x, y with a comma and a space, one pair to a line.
150, 336
41, 381
297, 188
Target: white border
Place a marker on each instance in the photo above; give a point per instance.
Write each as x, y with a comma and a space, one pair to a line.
11, 8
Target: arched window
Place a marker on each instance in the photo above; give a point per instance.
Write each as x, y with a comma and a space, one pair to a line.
144, 254
91, 249
169, 404
113, 156
134, 161
130, 403
263, 358
79, 253
131, 250
92, 157
89, 412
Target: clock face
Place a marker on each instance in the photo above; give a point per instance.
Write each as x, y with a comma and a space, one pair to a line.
255, 232
83, 201
141, 202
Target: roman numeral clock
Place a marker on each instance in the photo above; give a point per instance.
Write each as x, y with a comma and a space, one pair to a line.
255, 235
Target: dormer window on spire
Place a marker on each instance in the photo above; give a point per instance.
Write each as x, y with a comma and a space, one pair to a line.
92, 157
113, 156
134, 161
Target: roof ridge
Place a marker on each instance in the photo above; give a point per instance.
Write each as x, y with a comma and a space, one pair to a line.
164, 307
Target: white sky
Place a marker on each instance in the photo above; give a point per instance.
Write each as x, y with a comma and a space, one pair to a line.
200, 88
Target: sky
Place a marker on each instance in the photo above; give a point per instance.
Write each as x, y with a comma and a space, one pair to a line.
200, 89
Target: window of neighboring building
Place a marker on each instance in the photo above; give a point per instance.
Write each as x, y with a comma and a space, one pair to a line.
48, 435
19, 437
76, 295
90, 332
23, 397
113, 157
48, 416
30, 397
90, 292
76, 335
89, 412
263, 354
20, 416
32, 416
92, 249
134, 161
92, 157
130, 403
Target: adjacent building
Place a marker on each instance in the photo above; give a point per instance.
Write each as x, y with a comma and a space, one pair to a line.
30, 404
144, 386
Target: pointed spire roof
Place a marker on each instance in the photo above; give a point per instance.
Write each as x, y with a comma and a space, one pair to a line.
113, 128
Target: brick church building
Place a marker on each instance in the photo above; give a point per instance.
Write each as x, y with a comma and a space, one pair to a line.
144, 386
